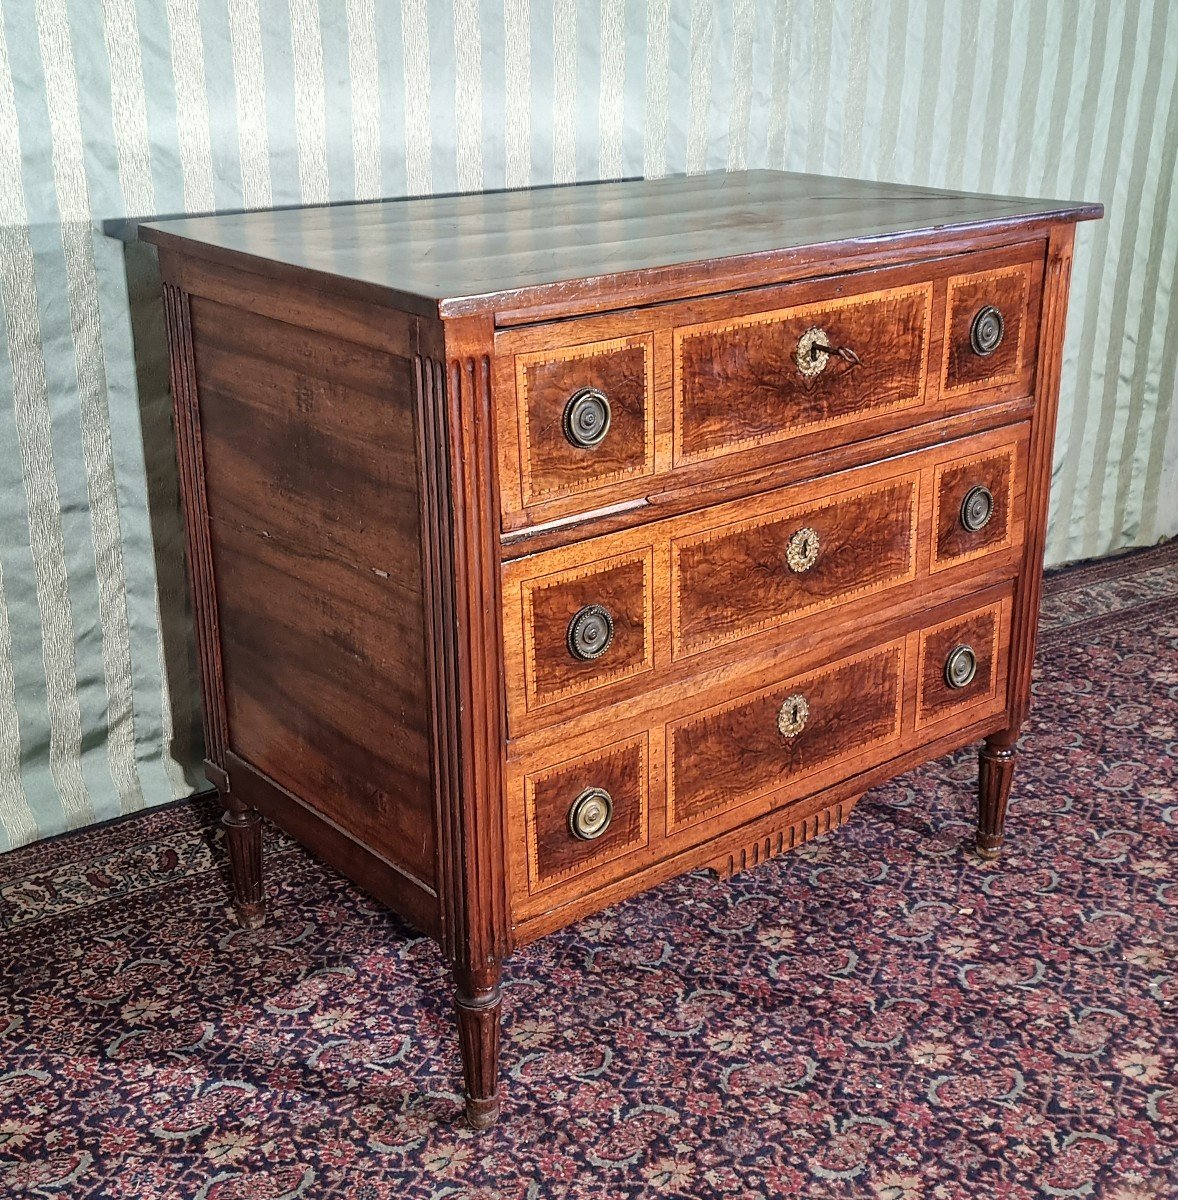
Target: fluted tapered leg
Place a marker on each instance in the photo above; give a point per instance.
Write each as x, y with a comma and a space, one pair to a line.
478, 1002
996, 760
243, 834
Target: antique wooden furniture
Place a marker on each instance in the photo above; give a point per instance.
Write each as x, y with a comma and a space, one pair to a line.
546, 544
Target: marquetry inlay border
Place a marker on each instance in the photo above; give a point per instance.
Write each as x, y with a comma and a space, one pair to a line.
957, 282
807, 312
529, 588
541, 883
940, 562
586, 350
894, 650
999, 614
681, 649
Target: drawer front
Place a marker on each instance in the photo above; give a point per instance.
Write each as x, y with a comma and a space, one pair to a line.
585, 815
586, 416
991, 329
611, 411
676, 597
758, 739
778, 738
961, 667
587, 627
766, 377
735, 579
977, 504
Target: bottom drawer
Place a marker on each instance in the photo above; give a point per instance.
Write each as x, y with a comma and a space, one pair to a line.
609, 802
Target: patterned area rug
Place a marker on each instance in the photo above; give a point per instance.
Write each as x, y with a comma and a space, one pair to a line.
880, 1015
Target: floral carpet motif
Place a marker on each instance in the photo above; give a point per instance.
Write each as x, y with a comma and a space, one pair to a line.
878, 1015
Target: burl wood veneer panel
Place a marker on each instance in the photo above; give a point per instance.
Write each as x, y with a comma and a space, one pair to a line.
1014, 290
1001, 472
987, 633
553, 855
624, 588
622, 369
738, 383
735, 753
736, 579
313, 503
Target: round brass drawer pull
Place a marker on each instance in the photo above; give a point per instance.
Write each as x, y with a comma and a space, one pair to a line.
590, 814
814, 351
961, 666
587, 417
591, 633
977, 508
792, 715
985, 334
802, 552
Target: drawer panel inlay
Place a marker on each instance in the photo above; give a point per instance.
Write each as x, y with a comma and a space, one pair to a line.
776, 738
974, 640
765, 378
986, 320
973, 507
564, 616
556, 848
737, 579
587, 416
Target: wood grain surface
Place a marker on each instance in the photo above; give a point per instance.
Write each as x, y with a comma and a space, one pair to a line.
724, 758
477, 251
738, 382
622, 369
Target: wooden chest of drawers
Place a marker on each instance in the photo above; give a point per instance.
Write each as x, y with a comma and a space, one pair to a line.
546, 544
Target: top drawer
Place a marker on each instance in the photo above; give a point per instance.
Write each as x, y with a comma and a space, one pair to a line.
605, 410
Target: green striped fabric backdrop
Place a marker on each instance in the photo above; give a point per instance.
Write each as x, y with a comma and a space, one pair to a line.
123, 108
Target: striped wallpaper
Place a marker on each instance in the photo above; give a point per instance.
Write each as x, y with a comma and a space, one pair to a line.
124, 108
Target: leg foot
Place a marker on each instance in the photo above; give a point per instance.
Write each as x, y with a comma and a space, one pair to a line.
996, 760
243, 833
478, 1001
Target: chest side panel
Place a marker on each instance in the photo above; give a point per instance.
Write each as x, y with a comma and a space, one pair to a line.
313, 513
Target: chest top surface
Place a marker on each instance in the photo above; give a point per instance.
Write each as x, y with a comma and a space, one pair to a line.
467, 253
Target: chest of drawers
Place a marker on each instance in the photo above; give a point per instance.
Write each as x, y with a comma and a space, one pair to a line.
546, 544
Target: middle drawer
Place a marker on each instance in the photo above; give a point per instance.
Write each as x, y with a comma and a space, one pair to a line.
593, 624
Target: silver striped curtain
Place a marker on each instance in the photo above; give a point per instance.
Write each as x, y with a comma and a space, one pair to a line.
112, 109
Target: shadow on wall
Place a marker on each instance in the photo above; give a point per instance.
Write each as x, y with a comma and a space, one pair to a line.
145, 296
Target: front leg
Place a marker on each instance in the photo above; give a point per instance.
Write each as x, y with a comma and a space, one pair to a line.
478, 1001
243, 834
996, 760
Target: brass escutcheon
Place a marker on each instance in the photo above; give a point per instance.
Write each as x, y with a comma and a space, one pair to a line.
802, 552
810, 358
792, 715
590, 814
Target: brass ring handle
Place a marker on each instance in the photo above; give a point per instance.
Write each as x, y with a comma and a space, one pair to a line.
587, 417
590, 814
815, 350
802, 551
961, 666
986, 331
977, 508
590, 632
793, 715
